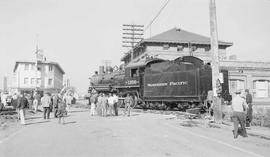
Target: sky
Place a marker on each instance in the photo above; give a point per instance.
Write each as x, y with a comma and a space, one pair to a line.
81, 34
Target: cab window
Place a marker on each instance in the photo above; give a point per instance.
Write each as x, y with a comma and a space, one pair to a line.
134, 72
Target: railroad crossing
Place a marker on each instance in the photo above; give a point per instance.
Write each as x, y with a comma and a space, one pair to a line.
141, 134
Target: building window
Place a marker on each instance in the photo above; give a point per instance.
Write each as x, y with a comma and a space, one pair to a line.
33, 66
186, 49
236, 85
50, 68
26, 66
25, 81
179, 48
49, 82
208, 48
32, 81
166, 46
39, 68
261, 88
39, 82
200, 49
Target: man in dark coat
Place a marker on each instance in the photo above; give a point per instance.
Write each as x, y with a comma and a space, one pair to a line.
249, 109
22, 105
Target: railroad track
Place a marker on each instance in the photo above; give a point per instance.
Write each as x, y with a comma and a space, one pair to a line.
168, 112
8, 112
191, 113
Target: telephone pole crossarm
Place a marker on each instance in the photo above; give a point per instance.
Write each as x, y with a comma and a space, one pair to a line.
132, 35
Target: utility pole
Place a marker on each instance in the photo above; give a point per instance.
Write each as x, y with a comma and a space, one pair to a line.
36, 64
215, 62
132, 34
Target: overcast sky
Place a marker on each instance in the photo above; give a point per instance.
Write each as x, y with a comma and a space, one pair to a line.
80, 34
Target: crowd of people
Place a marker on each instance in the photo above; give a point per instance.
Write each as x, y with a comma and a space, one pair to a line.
107, 104
57, 104
102, 104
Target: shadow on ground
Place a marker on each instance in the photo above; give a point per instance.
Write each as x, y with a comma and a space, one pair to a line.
189, 123
40, 122
72, 122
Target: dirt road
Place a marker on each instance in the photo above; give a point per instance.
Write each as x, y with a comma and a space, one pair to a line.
142, 134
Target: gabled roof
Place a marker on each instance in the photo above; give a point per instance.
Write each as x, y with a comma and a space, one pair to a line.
45, 62
177, 35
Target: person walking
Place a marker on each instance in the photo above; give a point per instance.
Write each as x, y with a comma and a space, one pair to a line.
128, 103
61, 112
14, 100
68, 100
115, 105
22, 105
45, 103
93, 101
55, 101
238, 116
249, 108
15, 104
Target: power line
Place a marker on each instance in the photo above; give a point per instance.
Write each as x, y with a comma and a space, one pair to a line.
162, 8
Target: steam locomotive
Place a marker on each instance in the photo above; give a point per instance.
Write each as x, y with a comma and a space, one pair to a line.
181, 83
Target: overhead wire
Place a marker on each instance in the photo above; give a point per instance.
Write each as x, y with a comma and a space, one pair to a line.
152, 21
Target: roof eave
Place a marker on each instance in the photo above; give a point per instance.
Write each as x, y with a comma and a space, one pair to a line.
186, 42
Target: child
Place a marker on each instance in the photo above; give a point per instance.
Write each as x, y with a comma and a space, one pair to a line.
61, 112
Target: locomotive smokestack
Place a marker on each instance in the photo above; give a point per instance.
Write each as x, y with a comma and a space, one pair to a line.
101, 70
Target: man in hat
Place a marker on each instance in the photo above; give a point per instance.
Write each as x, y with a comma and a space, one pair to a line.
238, 117
249, 109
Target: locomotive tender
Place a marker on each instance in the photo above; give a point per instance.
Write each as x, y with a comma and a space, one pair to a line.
182, 83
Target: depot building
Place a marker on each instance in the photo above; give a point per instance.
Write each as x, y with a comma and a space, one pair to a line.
176, 42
